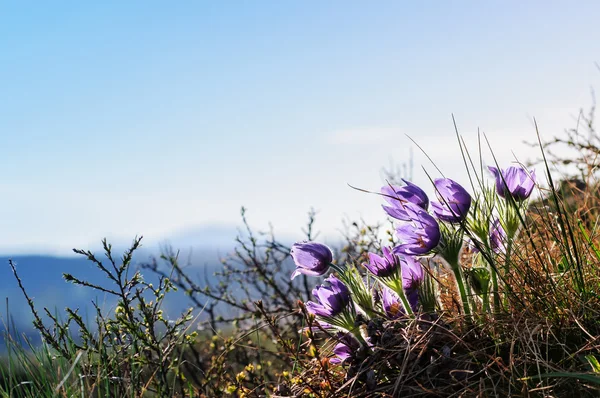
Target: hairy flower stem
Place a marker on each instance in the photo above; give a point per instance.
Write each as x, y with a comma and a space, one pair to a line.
496, 292
356, 333
346, 322
396, 286
486, 303
510, 238
359, 291
509, 241
338, 269
460, 283
509, 245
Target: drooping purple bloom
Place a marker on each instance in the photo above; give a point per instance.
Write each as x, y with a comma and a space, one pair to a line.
497, 237
516, 182
420, 235
311, 258
454, 201
413, 298
392, 305
331, 300
383, 266
345, 349
412, 273
412, 276
399, 197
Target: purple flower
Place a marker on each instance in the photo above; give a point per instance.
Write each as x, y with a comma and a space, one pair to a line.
392, 305
412, 273
311, 258
383, 266
345, 349
412, 276
454, 203
398, 197
497, 237
420, 235
331, 300
413, 298
516, 182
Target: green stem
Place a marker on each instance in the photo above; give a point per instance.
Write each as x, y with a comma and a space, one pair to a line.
495, 288
486, 303
359, 337
349, 324
338, 269
359, 291
396, 286
509, 244
458, 275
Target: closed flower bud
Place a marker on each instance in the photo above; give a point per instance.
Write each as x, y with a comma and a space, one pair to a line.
311, 258
514, 181
454, 201
398, 197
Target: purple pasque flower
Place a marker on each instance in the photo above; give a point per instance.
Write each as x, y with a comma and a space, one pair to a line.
412, 276
420, 235
399, 196
454, 201
413, 298
515, 181
383, 266
311, 258
331, 300
392, 305
345, 349
412, 273
497, 237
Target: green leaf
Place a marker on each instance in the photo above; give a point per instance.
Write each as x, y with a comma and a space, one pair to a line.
581, 376
593, 363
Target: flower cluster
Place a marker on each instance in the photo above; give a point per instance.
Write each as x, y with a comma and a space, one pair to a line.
398, 271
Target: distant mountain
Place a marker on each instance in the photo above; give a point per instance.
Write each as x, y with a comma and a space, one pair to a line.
215, 237
200, 250
42, 279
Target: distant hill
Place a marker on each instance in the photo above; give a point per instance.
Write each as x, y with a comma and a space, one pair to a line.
42, 278
200, 250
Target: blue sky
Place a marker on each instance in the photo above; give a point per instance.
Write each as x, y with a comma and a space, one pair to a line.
125, 118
